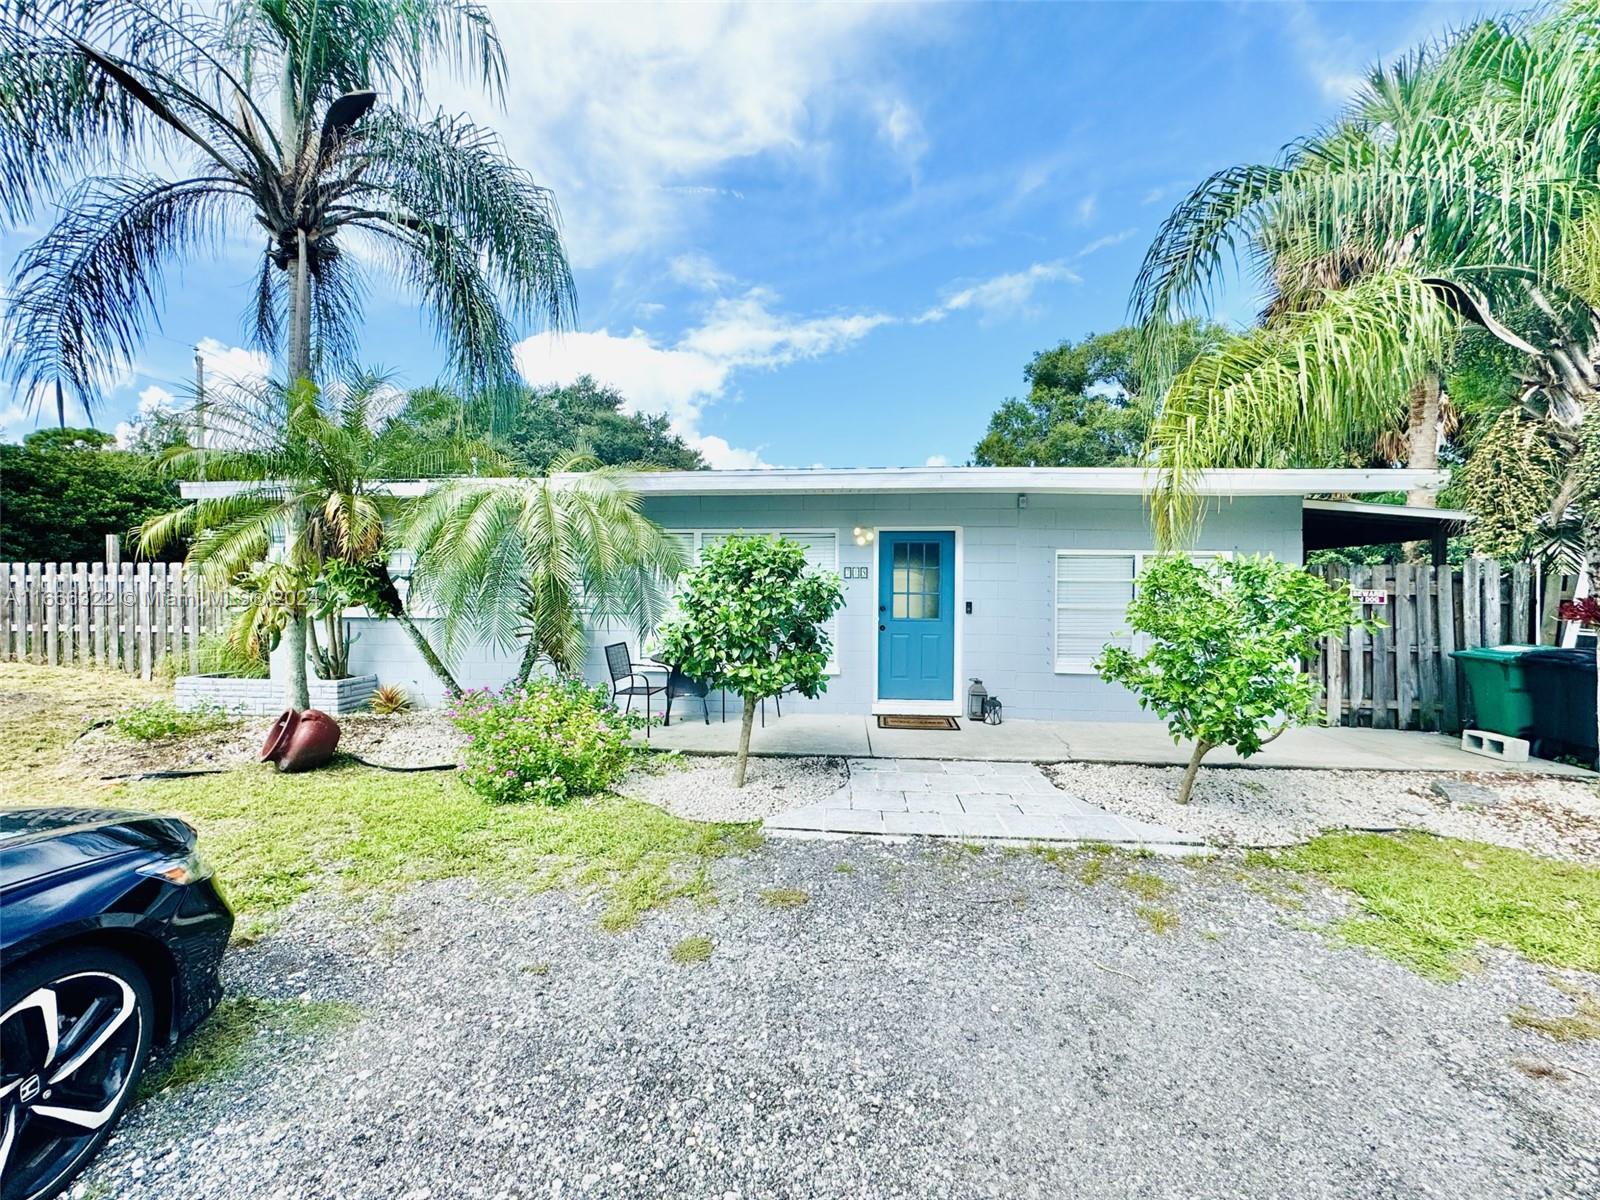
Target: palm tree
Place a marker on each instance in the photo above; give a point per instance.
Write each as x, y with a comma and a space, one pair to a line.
298, 120
534, 559
325, 459
1459, 189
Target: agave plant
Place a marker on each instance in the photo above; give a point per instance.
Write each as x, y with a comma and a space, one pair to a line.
1459, 190
389, 700
533, 560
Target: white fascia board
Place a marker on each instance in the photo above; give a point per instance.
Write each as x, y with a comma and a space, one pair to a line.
1361, 508
1108, 481
1096, 481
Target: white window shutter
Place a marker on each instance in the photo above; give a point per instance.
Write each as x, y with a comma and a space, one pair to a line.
822, 554
1092, 596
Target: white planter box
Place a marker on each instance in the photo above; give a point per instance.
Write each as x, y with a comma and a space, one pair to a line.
264, 697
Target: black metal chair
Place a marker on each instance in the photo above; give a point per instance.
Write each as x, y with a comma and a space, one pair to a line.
621, 665
679, 684
778, 702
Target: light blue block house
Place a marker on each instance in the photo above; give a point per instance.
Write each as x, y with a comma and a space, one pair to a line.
1016, 576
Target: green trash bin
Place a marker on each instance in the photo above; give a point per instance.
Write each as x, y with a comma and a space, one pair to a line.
1497, 684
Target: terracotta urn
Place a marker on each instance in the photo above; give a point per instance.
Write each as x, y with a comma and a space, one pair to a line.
301, 741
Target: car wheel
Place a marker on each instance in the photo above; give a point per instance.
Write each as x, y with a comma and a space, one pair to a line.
75, 1030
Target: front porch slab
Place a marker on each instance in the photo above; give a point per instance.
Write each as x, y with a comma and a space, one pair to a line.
938, 799
983, 751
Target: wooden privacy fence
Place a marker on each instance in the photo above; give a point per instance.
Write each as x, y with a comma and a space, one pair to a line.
1402, 676
118, 615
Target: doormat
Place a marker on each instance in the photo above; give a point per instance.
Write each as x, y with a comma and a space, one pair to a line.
943, 723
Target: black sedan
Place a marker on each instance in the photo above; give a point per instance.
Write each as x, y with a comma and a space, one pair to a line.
111, 932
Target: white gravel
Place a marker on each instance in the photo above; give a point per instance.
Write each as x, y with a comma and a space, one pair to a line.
950, 1026
1235, 806
701, 789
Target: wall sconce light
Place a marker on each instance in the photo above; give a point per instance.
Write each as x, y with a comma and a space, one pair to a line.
864, 536
1022, 500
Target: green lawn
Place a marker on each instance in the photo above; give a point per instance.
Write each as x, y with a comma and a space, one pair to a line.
354, 829
1431, 902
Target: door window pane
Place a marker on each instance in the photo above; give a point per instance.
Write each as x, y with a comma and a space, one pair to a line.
915, 584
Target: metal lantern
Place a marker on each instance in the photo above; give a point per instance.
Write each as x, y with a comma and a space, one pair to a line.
991, 713
977, 699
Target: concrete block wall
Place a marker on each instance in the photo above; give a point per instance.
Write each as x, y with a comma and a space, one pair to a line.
1007, 558
264, 697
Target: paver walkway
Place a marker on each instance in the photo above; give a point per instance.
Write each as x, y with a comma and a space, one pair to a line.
1144, 742
956, 798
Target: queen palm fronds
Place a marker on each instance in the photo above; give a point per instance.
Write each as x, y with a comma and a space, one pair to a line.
533, 559
297, 121
1462, 185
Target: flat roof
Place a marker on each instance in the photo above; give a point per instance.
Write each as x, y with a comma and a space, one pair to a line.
1101, 481
1112, 481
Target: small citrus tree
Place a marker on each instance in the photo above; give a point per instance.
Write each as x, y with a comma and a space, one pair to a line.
1223, 647
751, 619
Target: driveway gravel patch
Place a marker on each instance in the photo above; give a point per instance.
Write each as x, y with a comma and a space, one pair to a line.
1239, 806
934, 1022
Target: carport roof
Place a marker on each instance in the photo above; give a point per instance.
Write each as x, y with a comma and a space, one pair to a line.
1333, 524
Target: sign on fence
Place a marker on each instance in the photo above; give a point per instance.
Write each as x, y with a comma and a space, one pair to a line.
125, 616
1370, 596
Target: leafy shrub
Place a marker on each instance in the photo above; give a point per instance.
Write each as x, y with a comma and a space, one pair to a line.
547, 741
389, 699
752, 618
161, 719
219, 656
1222, 650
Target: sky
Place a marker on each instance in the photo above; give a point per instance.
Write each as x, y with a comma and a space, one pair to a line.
836, 235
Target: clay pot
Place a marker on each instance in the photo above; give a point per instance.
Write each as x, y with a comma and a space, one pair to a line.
301, 741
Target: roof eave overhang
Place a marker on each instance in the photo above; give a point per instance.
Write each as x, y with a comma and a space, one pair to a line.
1109, 481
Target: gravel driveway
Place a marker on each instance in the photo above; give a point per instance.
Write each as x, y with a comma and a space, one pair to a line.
930, 1023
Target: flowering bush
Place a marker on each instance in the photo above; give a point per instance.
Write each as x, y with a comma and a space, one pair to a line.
548, 741
1585, 611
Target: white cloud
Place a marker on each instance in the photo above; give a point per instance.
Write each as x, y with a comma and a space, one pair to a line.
16, 422
232, 364
631, 111
1335, 62
744, 331
1087, 207
1153, 195
651, 377
1002, 295
153, 401
723, 457
901, 127
936, 460
698, 271
683, 380
1110, 239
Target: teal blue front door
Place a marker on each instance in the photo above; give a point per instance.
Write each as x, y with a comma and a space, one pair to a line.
916, 616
